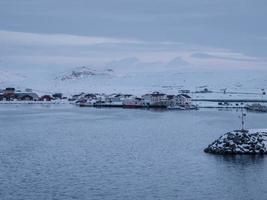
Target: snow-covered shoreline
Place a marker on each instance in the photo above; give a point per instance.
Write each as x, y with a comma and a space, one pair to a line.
32, 102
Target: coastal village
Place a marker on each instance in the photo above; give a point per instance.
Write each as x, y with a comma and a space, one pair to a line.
153, 100
180, 101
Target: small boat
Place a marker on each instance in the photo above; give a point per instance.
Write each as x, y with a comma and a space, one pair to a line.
182, 107
85, 104
176, 107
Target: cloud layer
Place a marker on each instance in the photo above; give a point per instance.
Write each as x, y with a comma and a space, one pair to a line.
208, 33
23, 50
30, 39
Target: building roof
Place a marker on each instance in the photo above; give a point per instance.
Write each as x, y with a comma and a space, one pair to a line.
185, 95
170, 96
22, 94
13, 89
90, 95
157, 94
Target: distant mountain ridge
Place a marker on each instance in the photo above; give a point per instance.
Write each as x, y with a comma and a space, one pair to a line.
7, 77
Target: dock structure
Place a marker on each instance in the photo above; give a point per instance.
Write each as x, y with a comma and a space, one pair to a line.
227, 103
233, 100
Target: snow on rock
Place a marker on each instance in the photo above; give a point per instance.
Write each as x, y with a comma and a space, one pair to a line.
240, 142
83, 72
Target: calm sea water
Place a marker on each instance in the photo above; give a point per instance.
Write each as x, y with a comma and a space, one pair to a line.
64, 152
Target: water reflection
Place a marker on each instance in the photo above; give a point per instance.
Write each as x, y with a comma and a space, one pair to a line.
242, 160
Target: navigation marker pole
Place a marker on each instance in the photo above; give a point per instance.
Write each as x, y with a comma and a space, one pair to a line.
243, 115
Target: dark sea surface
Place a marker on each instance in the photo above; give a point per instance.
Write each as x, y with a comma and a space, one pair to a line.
64, 152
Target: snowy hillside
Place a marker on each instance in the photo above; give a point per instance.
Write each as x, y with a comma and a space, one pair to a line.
8, 78
131, 75
170, 81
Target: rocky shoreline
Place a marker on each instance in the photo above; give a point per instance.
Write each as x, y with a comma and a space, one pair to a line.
240, 142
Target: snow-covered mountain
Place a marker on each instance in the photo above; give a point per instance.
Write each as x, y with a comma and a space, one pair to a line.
84, 72
131, 75
142, 80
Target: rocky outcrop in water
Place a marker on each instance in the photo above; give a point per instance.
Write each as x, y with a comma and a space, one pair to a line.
240, 142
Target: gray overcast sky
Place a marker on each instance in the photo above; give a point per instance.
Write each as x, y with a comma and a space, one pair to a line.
233, 29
